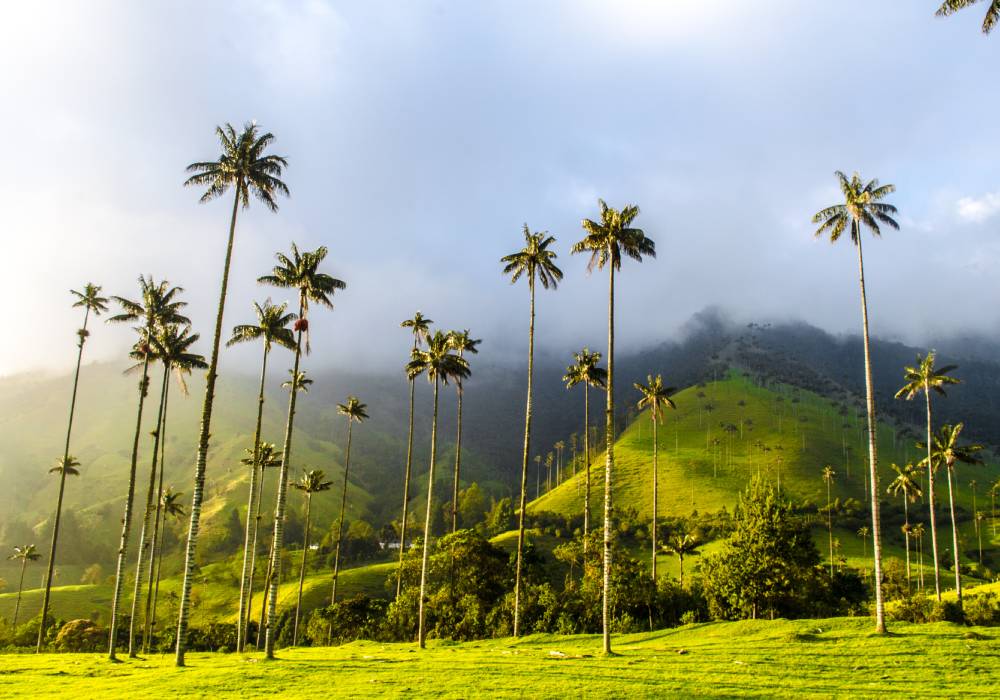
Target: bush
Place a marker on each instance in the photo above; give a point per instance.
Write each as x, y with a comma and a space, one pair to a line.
81, 635
983, 609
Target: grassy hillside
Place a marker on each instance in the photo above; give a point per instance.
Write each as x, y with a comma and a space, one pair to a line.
816, 658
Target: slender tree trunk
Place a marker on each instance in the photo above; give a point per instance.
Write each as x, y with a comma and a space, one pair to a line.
144, 544
277, 541
253, 561
302, 572
268, 574
159, 523
524, 461
872, 453
340, 521
609, 463
62, 485
127, 518
954, 538
421, 632
680, 562
586, 456
201, 460
249, 541
655, 491
458, 461
829, 525
20, 587
406, 493
906, 520
930, 497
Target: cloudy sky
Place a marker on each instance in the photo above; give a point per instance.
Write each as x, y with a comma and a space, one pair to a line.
421, 135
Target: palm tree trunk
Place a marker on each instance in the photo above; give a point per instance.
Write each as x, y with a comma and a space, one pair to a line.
524, 461
930, 497
906, 536
340, 522
253, 562
421, 632
872, 453
127, 518
406, 493
261, 627
277, 541
680, 563
829, 525
302, 573
62, 485
133, 648
458, 460
954, 539
241, 632
159, 524
586, 456
201, 460
609, 463
20, 587
655, 493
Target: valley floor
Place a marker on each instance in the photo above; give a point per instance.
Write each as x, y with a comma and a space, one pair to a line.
819, 658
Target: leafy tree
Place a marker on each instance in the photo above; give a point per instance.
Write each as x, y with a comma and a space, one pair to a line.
24, 554
924, 377
863, 208
906, 484
605, 242
656, 398
586, 370
355, 412
271, 329
90, 300
682, 546
243, 166
311, 482
440, 364
157, 309
300, 272
419, 325
534, 262
462, 342
950, 7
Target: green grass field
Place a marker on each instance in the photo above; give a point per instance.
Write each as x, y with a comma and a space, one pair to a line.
816, 658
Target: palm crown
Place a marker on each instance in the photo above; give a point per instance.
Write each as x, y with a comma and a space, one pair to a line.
268, 456
949, 7
170, 503
298, 381
353, 409
655, 396
271, 327
242, 165
534, 261
171, 346
828, 474
437, 361
586, 370
946, 450
90, 298
67, 466
924, 376
157, 309
608, 240
463, 342
312, 482
26, 552
863, 206
906, 482
419, 325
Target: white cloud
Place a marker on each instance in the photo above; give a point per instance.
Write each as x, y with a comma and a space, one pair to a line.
979, 209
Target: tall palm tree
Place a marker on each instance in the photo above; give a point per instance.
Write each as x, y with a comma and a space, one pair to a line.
462, 342
682, 546
157, 309
267, 458
863, 533
907, 485
606, 241
655, 397
271, 329
587, 371
24, 553
300, 272
917, 532
560, 446
534, 262
355, 412
950, 7
863, 208
311, 482
924, 377
170, 507
828, 475
419, 325
67, 466
91, 301
440, 364
243, 166
172, 348
948, 452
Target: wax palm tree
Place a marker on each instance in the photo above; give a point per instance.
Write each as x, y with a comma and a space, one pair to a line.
917, 532
24, 554
828, 475
67, 466
863, 533
268, 457
948, 452
243, 166
863, 208
462, 342
682, 546
586, 370
170, 507
311, 482
924, 377
907, 485
355, 412
299, 271
536, 263
158, 308
419, 325
606, 242
950, 7
440, 364
656, 398
560, 446
172, 347
994, 490
271, 329
90, 300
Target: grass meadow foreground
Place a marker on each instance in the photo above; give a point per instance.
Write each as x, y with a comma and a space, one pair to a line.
833, 657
